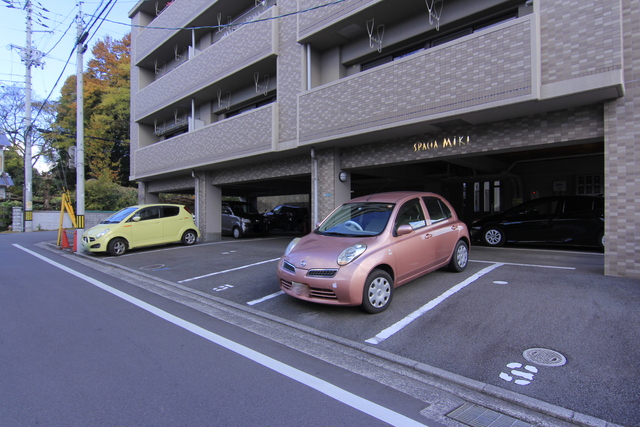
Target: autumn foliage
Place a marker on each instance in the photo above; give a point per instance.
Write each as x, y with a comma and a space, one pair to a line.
106, 111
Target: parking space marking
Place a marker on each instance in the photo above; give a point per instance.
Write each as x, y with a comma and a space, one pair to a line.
268, 297
526, 265
396, 327
228, 271
150, 250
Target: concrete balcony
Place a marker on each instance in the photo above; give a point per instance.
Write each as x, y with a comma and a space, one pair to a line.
178, 15
246, 46
490, 75
251, 133
319, 19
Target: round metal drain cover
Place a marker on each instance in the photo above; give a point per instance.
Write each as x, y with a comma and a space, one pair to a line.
544, 357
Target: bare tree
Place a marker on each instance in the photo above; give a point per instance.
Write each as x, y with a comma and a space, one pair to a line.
12, 123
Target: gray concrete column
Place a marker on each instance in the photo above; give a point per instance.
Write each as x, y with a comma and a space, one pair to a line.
144, 196
209, 208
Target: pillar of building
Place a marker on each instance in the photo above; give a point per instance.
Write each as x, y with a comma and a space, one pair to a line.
209, 212
144, 196
331, 191
622, 176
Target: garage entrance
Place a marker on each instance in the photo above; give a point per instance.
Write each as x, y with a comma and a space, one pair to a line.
480, 185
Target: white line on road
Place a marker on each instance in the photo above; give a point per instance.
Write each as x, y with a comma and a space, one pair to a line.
428, 306
268, 297
228, 271
328, 389
526, 265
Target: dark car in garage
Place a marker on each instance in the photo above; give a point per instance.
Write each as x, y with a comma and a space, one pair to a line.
555, 220
288, 218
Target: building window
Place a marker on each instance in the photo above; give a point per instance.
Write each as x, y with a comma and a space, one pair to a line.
253, 106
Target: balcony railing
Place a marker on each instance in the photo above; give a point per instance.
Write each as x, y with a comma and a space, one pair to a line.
252, 133
248, 45
491, 67
317, 19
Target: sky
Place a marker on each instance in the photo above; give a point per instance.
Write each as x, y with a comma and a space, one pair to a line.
56, 42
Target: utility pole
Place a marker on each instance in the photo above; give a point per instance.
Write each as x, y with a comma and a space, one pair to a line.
80, 49
31, 57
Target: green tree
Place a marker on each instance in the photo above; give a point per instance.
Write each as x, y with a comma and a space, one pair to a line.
106, 112
103, 195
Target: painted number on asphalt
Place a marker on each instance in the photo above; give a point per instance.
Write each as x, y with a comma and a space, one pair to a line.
222, 288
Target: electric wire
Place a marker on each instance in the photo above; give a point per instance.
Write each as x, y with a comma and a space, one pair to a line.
204, 27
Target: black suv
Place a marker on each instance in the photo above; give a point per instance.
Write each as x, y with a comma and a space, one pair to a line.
288, 218
566, 220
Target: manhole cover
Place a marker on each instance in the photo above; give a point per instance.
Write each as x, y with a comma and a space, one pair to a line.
544, 357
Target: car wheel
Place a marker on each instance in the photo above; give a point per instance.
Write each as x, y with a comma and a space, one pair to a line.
237, 233
189, 237
600, 240
493, 236
378, 292
117, 246
460, 257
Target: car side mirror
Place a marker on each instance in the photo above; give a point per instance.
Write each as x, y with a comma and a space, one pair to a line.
136, 218
404, 229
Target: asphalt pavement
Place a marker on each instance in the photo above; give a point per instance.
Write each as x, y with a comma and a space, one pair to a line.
538, 334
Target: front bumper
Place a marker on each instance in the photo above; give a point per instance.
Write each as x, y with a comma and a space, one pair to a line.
254, 228
91, 244
345, 287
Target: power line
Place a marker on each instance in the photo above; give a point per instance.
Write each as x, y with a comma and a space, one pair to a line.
204, 27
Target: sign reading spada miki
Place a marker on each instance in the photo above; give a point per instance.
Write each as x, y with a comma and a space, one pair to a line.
433, 144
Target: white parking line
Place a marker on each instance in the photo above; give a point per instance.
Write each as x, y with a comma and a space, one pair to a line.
175, 247
228, 271
328, 389
268, 297
526, 265
396, 327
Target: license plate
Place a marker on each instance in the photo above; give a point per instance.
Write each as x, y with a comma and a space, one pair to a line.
300, 289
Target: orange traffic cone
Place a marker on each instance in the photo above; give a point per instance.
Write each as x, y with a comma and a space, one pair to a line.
65, 241
75, 240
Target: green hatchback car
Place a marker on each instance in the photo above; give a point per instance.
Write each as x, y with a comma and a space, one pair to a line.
141, 225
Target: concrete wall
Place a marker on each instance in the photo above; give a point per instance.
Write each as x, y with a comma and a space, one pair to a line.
50, 220
622, 128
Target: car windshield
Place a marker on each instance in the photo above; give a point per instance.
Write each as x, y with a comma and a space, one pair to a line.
243, 208
119, 216
357, 219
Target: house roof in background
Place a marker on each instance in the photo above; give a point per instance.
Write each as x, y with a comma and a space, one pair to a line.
4, 141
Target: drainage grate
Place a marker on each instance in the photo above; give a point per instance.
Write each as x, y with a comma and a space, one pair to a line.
544, 357
477, 416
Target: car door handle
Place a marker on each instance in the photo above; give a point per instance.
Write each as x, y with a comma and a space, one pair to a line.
427, 236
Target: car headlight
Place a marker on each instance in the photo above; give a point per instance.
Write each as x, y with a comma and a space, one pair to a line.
351, 253
291, 245
102, 233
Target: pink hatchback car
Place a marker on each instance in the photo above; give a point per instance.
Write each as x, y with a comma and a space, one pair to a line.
370, 245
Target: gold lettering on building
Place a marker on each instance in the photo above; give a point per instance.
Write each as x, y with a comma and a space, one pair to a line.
433, 144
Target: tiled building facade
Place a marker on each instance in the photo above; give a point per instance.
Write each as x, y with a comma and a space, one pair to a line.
496, 102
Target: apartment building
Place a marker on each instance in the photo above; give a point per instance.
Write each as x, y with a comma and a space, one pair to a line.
488, 102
